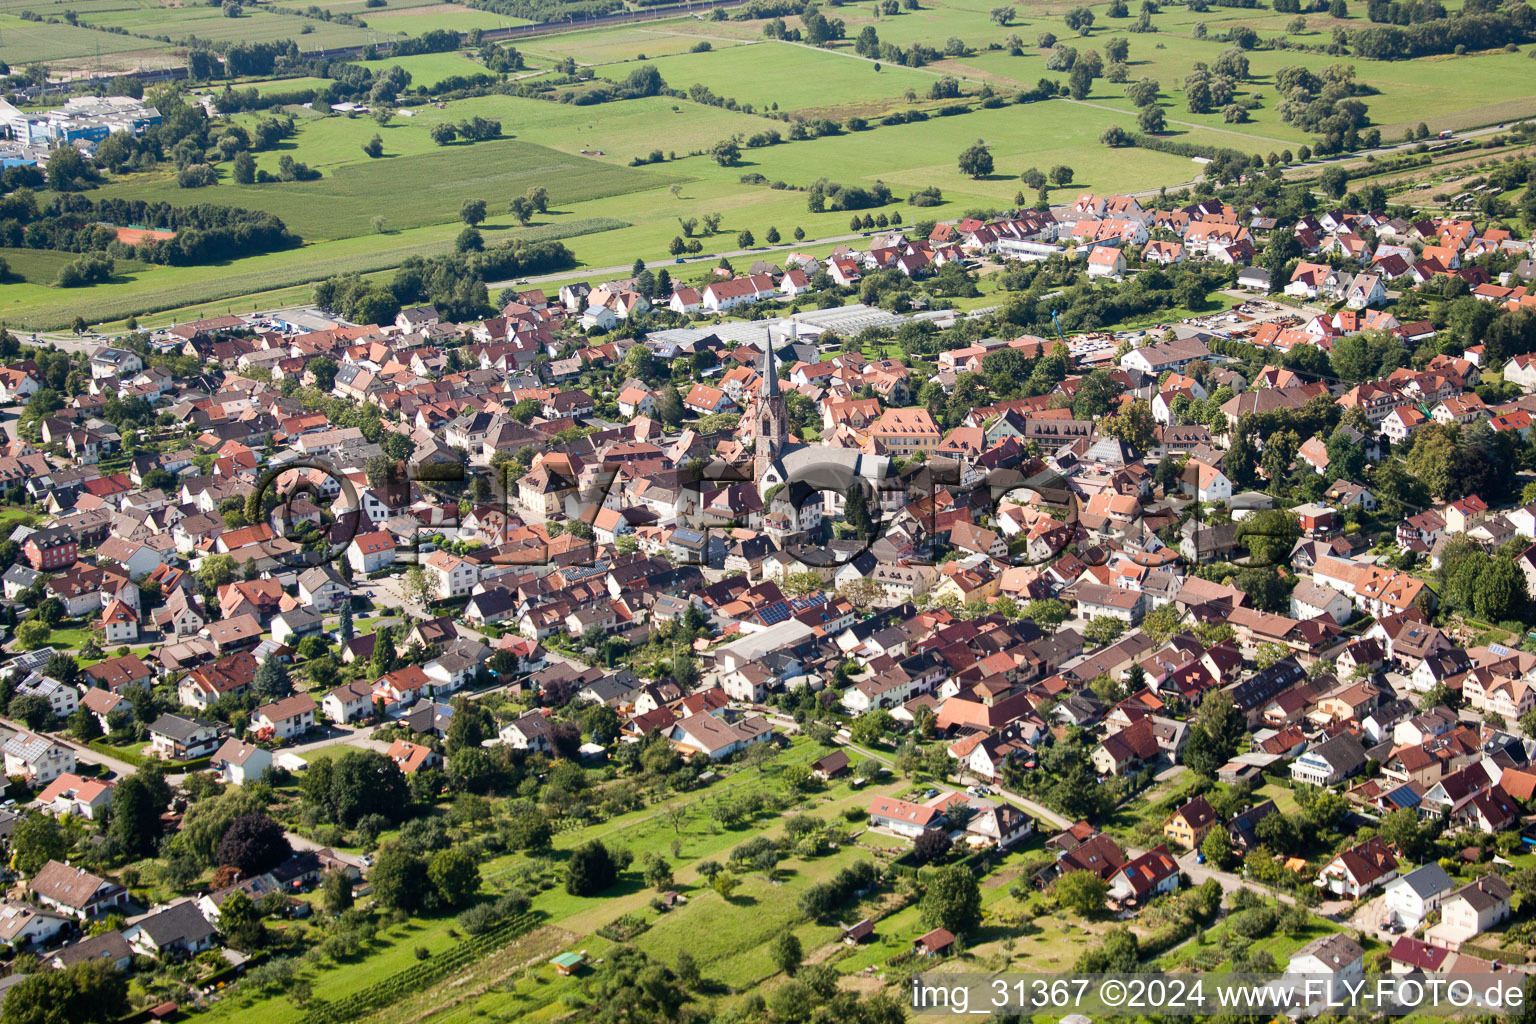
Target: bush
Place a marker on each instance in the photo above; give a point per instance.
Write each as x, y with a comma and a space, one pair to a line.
197, 176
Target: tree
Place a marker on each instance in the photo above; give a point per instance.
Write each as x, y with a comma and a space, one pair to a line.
1046, 612
933, 844
1103, 630
336, 891
272, 681
522, 209
786, 952
1269, 536
1143, 92
472, 211
374, 147
454, 877
976, 160
724, 883
82, 993
399, 879
138, 801
253, 844
871, 726
1003, 15
1080, 892
952, 900
744, 239
1402, 830
1217, 848
590, 870
1079, 20
726, 153
1114, 137
355, 785
538, 195
240, 922
772, 235
419, 586
1061, 175
1079, 81
443, 134
469, 240
1151, 119
383, 659
36, 840
245, 168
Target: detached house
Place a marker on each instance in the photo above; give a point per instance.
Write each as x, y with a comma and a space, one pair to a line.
1360, 869
75, 891
1191, 823
285, 718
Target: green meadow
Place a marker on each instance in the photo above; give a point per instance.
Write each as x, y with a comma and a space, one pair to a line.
429, 68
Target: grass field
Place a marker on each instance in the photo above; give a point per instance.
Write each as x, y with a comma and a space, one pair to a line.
796, 78
23, 42
429, 68
343, 202
210, 24
413, 21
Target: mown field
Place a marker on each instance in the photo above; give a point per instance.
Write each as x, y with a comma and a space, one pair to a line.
255, 25
24, 42
429, 68
583, 154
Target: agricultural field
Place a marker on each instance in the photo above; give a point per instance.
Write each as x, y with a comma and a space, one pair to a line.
255, 25
413, 21
585, 154
24, 42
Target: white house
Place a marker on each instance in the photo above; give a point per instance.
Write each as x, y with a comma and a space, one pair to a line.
452, 576
1310, 600
62, 698
285, 718
1473, 909
37, 758
1410, 898
323, 589
240, 763
1336, 957
348, 703
370, 552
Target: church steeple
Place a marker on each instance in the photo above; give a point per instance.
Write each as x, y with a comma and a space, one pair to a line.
771, 431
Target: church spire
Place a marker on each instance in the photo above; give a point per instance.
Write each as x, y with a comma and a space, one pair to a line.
770, 373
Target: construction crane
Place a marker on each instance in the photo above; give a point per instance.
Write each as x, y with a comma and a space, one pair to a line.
1057, 321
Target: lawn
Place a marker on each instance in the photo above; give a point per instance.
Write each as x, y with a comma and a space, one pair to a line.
132, 752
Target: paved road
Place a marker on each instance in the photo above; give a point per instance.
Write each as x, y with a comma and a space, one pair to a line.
1229, 882
82, 753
